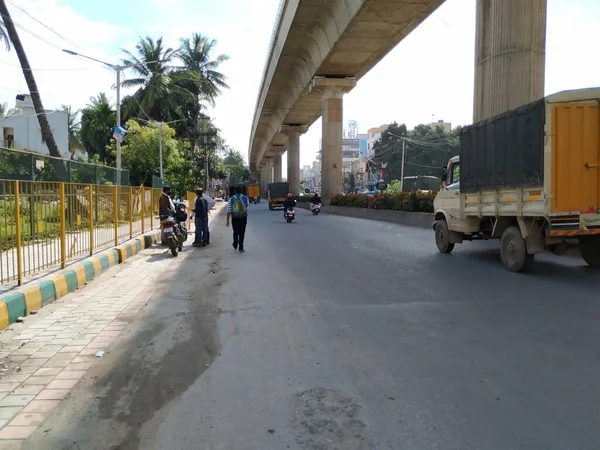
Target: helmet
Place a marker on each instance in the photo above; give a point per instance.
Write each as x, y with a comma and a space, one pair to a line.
289, 196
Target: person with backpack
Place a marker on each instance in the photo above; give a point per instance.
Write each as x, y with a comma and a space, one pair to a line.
237, 210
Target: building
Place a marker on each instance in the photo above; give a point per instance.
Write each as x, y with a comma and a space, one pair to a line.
447, 126
21, 129
373, 135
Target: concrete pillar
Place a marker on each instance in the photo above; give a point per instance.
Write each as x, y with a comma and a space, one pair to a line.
277, 168
293, 132
332, 91
510, 55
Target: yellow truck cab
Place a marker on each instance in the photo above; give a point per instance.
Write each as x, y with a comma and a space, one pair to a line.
529, 177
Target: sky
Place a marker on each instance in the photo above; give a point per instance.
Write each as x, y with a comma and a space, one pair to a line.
428, 76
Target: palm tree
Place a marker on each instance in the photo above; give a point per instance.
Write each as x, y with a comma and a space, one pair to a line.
198, 77
3, 36
47, 135
74, 127
154, 97
195, 53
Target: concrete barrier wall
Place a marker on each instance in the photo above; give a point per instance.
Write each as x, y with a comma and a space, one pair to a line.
413, 219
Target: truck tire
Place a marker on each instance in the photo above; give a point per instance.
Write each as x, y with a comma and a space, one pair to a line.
513, 251
442, 237
590, 251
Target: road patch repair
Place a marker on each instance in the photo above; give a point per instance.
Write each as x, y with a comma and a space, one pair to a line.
16, 304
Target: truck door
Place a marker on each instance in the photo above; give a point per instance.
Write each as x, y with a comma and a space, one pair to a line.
576, 157
451, 196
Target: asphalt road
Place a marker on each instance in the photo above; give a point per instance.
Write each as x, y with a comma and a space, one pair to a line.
341, 333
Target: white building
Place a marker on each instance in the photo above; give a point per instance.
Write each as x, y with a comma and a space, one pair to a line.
21, 129
374, 135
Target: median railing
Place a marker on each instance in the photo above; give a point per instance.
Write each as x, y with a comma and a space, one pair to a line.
46, 225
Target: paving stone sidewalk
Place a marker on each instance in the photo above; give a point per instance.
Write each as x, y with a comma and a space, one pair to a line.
43, 359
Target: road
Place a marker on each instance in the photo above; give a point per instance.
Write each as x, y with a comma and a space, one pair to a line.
341, 333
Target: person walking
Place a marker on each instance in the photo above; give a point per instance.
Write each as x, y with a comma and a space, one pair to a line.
202, 237
237, 210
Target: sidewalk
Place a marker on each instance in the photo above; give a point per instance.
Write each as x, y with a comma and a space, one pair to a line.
42, 359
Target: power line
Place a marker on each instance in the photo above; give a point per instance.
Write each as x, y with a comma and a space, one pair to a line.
43, 24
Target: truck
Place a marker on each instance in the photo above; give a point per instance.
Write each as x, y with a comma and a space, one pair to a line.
253, 192
530, 178
277, 193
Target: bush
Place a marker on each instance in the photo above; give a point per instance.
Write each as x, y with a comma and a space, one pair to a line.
401, 201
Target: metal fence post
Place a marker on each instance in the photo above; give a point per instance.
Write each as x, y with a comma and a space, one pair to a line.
18, 234
143, 205
63, 240
116, 213
91, 218
130, 190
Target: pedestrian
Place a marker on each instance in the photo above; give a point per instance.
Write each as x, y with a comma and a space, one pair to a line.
165, 209
237, 210
202, 237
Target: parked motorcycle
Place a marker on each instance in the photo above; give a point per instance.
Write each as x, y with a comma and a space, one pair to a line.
289, 215
315, 208
171, 231
181, 219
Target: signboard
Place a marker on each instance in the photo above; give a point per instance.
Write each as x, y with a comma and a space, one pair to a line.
119, 134
381, 186
39, 164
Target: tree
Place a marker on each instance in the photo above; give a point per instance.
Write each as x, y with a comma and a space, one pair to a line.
97, 123
3, 110
141, 155
74, 128
36, 98
154, 98
4, 36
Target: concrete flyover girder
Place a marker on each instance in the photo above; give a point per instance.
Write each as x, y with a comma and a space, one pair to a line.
333, 38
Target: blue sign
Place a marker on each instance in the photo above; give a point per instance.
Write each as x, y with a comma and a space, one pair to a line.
119, 133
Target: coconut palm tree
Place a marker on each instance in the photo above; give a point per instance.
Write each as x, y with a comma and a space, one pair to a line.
195, 53
3, 36
47, 135
198, 77
74, 128
154, 98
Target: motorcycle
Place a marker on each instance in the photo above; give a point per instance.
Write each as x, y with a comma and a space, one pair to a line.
315, 208
289, 215
171, 231
181, 218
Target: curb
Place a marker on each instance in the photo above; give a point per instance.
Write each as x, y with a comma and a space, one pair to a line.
37, 294
411, 219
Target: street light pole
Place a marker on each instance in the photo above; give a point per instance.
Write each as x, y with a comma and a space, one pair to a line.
118, 70
160, 134
403, 153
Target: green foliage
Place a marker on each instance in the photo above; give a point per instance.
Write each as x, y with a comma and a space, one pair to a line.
97, 124
235, 164
394, 187
401, 201
74, 128
140, 152
427, 150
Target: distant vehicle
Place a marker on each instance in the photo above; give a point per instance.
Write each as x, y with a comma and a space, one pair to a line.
277, 193
421, 183
529, 178
253, 192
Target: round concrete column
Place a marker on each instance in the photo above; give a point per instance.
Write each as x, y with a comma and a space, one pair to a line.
510, 55
293, 132
277, 169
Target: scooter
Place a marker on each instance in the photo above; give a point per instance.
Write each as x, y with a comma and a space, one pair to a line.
315, 208
171, 230
289, 215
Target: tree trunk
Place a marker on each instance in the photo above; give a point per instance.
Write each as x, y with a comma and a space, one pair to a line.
47, 135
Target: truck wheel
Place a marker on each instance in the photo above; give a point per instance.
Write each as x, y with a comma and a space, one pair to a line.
513, 251
590, 251
442, 237
270, 207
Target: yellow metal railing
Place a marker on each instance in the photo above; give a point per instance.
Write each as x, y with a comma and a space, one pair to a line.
45, 225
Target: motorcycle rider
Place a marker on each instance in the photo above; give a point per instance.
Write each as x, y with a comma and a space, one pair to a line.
165, 208
288, 203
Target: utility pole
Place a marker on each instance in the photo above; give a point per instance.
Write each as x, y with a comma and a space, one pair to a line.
118, 70
160, 158
402, 169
